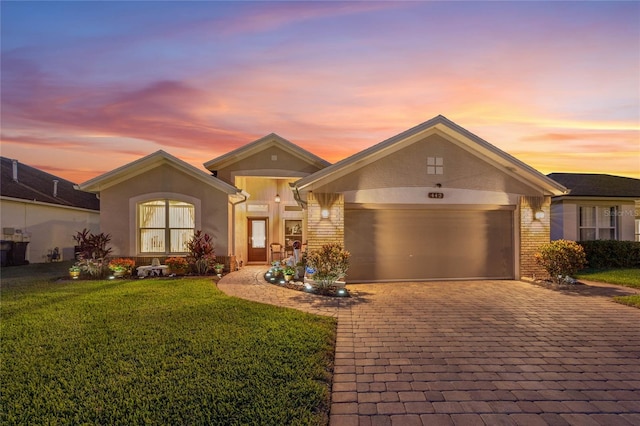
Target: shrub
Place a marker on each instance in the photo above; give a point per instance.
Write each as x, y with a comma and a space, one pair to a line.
330, 263
612, 253
561, 259
92, 253
122, 264
201, 256
178, 265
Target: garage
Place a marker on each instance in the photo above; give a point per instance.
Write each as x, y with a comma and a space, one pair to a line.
429, 244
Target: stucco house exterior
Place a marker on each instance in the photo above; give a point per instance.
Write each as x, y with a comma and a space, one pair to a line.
598, 207
44, 211
434, 202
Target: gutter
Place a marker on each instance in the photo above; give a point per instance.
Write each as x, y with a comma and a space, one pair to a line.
233, 217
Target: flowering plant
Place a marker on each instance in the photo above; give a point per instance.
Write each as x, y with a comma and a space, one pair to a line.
178, 265
121, 264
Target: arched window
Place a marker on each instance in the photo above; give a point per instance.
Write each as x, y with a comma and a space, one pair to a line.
165, 226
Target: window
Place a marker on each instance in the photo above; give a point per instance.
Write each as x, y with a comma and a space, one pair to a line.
598, 223
435, 166
165, 226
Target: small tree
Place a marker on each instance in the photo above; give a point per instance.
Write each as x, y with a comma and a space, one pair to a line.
561, 259
201, 256
330, 263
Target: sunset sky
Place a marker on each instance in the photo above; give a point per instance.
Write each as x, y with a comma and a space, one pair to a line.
90, 86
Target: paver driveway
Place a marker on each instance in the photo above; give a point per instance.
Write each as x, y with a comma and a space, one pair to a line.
474, 353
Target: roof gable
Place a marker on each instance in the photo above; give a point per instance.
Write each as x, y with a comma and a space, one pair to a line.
150, 162
598, 185
269, 141
36, 185
448, 130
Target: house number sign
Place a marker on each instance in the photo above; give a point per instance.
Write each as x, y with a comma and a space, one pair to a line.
436, 195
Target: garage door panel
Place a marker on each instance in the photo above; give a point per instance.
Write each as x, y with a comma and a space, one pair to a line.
428, 244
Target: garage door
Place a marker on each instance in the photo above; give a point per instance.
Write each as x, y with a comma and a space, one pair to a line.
402, 245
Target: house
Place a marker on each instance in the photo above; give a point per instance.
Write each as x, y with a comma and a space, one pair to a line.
41, 212
433, 202
599, 207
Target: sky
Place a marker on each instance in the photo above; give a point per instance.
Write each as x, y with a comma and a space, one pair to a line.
88, 86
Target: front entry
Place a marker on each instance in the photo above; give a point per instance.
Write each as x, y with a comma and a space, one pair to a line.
257, 230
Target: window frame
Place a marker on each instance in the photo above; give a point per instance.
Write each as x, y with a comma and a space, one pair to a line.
597, 226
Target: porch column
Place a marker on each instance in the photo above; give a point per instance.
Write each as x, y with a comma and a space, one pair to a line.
325, 220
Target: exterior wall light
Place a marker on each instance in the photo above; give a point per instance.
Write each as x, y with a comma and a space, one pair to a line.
539, 215
324, 213
277, 199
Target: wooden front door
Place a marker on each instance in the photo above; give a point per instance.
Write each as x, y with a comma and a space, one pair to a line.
257, 239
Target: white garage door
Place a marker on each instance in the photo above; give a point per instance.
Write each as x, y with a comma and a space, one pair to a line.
403, 245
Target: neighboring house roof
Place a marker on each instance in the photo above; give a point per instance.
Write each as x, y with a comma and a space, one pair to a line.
268, 141
442, 126
598, 185
147, 163
28, 183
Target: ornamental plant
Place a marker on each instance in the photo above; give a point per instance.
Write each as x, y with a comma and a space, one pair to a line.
561, 259
121, 264
178, 265
201, 256
92, 253
329, 264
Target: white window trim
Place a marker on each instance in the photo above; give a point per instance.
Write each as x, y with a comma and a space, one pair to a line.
598, 207
134, 243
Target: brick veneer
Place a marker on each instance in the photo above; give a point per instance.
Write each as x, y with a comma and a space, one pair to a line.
323, 231
533, 233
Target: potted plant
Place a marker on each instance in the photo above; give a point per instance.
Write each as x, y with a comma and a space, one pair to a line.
74, 272
121, 266
218, 267
289, 272
178, 265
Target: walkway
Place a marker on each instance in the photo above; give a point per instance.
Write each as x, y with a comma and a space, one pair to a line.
473, 352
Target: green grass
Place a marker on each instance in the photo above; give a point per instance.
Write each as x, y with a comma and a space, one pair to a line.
625, 277
633, 300
158, 351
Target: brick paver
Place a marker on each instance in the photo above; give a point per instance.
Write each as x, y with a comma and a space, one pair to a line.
473, 352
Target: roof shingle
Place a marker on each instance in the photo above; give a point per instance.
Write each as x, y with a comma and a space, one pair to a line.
598, 185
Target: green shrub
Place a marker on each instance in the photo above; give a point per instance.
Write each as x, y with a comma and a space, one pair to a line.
330, 263
612, 253
561, 259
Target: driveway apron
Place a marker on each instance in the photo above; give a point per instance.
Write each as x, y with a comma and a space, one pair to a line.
473, 352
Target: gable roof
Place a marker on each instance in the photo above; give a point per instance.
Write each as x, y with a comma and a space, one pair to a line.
598, 185
265, 142
36, 185
442, 126
147, 163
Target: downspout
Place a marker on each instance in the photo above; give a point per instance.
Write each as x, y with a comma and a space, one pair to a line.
296, 195
233, 219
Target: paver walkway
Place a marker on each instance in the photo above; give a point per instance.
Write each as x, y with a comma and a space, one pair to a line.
473, 352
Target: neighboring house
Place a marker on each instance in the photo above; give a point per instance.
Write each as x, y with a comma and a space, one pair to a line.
434, 202
599, 207
40, 211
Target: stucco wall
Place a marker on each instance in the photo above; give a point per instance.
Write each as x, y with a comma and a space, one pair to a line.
408, 168
273, 161
48, 226
118, 218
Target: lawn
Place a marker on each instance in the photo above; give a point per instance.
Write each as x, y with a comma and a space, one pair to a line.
626, 277
158, 351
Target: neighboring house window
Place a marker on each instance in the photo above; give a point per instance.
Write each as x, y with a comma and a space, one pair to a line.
598, 223
435, 166
165, 226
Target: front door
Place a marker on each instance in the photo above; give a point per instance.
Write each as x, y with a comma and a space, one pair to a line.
257, 239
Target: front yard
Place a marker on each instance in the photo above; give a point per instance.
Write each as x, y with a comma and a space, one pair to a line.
158, 351
626, 277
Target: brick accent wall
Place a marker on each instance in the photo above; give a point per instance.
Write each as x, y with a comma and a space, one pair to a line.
323, 231
533, 233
